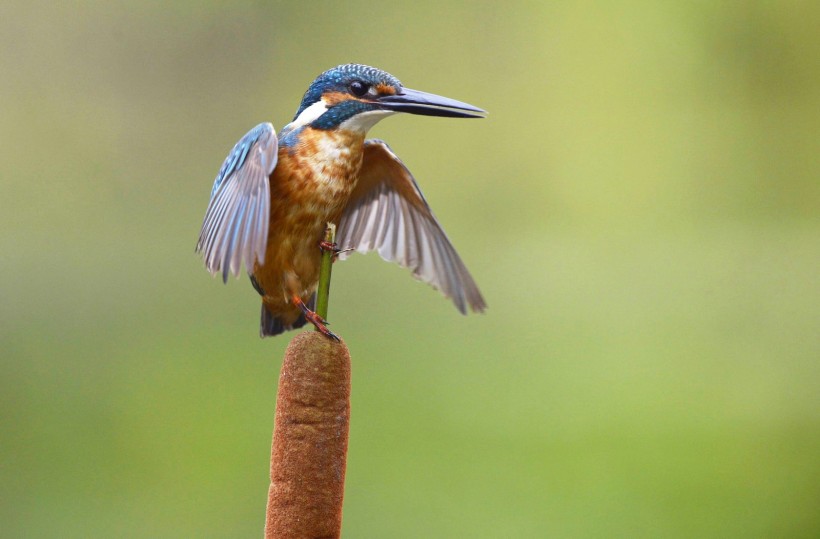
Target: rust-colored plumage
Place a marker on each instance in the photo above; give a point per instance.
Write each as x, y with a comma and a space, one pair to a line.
307, 192
274, 196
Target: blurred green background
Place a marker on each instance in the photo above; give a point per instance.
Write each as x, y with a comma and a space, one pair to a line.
641, 210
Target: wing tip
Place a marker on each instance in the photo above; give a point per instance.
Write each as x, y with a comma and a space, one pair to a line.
478, 307
476, 304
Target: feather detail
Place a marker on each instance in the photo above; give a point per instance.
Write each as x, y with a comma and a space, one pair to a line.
388, 213
235, 229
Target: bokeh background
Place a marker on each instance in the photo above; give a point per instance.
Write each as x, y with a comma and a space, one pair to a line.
641, 210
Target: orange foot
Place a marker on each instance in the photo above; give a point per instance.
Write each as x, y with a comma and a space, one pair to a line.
334, 248
320, 323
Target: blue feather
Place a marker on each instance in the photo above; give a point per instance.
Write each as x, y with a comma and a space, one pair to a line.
345, 110
237, 157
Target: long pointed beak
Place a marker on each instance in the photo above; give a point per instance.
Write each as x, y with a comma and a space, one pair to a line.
416, 102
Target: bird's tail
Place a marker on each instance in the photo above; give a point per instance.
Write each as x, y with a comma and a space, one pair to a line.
271, 325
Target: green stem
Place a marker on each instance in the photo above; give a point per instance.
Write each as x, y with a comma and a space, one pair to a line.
323, 293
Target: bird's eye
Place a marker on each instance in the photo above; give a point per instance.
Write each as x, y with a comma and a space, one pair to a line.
358, 88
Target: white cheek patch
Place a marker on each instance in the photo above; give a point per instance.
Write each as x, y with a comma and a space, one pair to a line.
310, 114
365, 120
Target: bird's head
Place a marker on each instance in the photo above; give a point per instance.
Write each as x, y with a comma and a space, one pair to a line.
355, 97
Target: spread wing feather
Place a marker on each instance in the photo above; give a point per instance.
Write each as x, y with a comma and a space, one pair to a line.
235, 229
388, 213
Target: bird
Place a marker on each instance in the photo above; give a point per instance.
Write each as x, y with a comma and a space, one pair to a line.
274, 195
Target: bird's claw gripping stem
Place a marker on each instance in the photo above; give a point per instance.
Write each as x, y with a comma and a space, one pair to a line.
312, 317
333, 248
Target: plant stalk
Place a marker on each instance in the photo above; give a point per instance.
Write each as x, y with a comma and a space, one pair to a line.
323, 292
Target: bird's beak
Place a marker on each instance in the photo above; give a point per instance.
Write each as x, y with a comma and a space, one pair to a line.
416, 102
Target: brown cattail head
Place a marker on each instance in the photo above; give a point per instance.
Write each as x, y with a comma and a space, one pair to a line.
309, 452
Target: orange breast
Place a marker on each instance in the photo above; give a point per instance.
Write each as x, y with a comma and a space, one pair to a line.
310, 186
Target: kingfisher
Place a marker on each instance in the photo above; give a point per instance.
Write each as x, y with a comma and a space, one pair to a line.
273, 197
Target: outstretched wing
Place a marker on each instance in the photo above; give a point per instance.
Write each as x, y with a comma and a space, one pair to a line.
235, 229
387, 213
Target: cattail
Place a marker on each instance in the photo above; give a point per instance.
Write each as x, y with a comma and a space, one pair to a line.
309, 450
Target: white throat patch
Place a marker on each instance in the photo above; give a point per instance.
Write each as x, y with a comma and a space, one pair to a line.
365, 120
